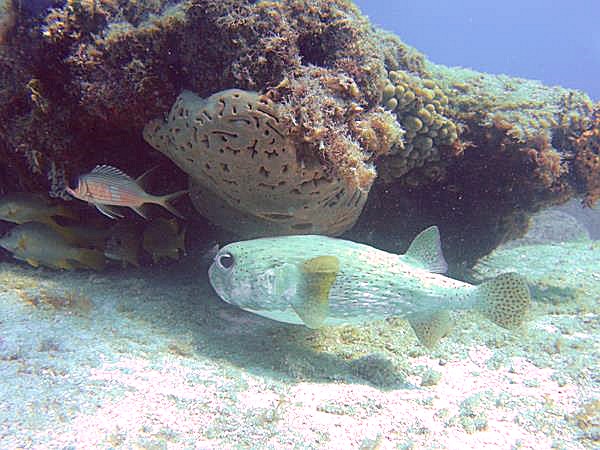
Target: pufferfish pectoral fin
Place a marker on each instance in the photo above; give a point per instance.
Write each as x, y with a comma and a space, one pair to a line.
317, 276
431, 327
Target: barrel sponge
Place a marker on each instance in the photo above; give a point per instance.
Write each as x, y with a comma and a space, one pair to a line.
244, 171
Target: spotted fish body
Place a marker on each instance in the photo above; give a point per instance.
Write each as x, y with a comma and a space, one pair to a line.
317, 280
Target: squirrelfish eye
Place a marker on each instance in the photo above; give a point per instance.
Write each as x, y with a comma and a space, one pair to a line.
74, 182
225, 261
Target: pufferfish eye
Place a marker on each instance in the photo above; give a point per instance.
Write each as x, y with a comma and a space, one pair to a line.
225, 261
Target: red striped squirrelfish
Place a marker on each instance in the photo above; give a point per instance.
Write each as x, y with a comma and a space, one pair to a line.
106, 187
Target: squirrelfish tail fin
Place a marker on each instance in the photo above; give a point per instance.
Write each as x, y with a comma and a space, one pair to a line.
165, 202
504, 300
426, 250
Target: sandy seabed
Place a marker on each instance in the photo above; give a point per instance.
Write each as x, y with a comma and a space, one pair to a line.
152, 359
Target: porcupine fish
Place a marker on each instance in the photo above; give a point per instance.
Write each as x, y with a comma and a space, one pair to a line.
317, 281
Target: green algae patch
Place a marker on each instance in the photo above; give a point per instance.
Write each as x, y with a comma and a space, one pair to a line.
528, 108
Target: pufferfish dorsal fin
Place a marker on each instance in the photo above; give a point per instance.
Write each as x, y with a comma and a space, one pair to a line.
426, 249
318, 275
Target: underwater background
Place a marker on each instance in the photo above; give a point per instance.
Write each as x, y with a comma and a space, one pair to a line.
111, 335
554, 42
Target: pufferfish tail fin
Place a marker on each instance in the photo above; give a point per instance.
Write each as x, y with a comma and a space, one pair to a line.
504, 300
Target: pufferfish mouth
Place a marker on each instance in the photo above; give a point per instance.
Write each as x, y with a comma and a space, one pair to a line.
216, 282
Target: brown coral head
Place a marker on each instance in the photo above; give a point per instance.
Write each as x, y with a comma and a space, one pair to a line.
245, 172
587, 162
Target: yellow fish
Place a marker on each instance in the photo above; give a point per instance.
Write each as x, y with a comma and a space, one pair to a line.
83, 235
123, 244
39, 244
163, 238
22, 207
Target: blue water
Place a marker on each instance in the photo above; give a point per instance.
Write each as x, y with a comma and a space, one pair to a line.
557, 42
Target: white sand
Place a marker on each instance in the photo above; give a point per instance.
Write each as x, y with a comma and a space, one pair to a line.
157, 361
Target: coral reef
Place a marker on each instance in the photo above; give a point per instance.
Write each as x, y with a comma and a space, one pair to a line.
587, 161
103, 69
68, 81
476, 154
515, 147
